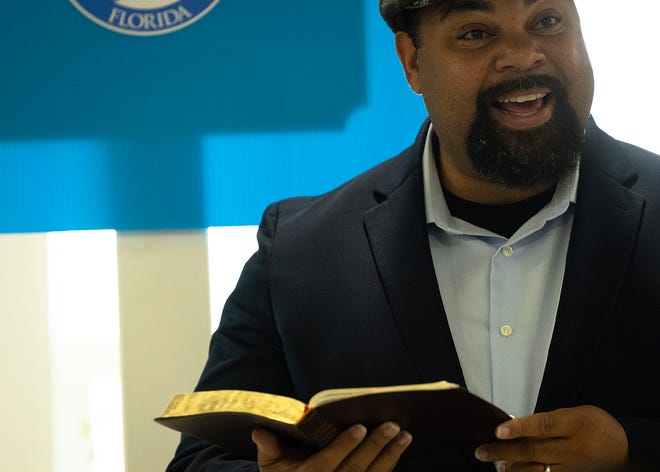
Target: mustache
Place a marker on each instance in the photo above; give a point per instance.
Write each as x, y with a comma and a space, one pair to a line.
523, 84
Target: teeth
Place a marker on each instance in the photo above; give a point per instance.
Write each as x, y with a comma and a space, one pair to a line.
524, 98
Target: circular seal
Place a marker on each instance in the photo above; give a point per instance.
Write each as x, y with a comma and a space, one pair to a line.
144, 17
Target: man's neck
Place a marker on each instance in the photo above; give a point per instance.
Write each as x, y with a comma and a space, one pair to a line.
474, 189
462, 180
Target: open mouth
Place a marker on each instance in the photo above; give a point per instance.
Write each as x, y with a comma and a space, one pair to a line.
522, 105
524, 111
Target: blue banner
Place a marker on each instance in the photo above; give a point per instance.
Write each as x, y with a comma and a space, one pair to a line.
202, 126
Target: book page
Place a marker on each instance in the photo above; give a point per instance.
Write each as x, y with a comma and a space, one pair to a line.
274, 407
327, 396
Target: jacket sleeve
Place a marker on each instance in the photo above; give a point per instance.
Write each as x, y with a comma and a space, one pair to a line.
245, 353
643, 440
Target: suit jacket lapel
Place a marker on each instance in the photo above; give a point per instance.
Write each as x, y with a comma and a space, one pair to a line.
398, 236
607, 217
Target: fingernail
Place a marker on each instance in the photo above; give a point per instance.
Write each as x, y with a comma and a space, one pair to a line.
358, 431
503, 432
405, 438
481, 453
390, 429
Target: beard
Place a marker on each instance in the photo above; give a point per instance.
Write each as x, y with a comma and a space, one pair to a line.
525, 158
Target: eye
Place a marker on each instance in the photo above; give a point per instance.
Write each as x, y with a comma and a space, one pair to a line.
474, 35
548, 22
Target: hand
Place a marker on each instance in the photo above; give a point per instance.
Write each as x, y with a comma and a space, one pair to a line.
353, 450
581, 439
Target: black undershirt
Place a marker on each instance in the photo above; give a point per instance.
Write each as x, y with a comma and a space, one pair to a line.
500, 219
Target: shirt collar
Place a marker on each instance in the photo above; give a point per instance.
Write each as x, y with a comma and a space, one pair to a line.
438, 213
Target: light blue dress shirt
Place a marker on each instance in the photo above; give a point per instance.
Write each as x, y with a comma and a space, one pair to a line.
500, 295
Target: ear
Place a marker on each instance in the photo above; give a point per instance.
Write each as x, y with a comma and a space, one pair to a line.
407, 53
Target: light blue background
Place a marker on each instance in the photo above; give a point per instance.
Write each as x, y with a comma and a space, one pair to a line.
257, 101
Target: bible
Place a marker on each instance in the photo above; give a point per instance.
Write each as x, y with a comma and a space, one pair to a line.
439, 415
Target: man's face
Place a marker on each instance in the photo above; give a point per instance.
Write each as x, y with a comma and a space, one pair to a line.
507, 83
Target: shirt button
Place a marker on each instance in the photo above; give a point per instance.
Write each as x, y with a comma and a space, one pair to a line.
506, 331
507, 251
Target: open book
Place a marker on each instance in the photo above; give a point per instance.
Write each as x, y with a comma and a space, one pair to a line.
439, 415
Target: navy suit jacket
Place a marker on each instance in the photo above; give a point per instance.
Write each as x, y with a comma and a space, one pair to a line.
343, 293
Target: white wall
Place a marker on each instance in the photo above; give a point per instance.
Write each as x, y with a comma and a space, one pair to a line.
165, 328
623, 45
25, 367
98, 333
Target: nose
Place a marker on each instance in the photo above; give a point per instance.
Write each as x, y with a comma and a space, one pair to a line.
518, 52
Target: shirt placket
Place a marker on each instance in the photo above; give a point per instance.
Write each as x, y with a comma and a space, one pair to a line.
503, 328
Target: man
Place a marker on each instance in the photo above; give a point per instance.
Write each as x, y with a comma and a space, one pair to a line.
513, 248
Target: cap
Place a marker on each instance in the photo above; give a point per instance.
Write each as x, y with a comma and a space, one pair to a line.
391, 10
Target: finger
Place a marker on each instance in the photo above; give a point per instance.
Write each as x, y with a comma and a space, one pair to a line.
337, 451
554, 424
522, 467
372, 446
389, 457
543, 451
269, 448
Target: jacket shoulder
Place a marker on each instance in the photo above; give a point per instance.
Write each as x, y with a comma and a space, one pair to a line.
357, 194
632, 166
